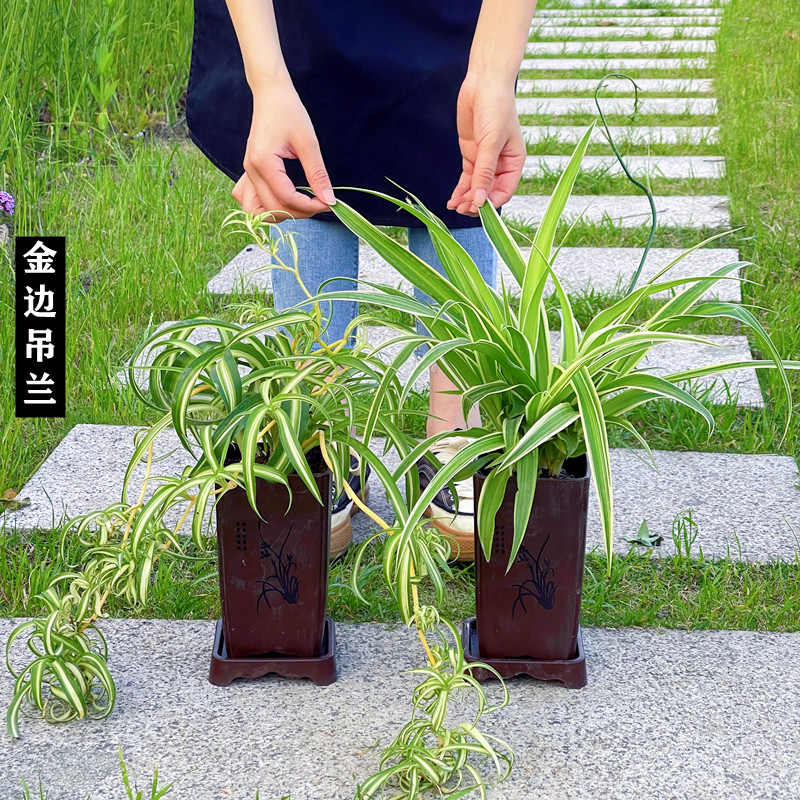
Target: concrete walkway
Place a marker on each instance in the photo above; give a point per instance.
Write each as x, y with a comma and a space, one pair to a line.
709, 715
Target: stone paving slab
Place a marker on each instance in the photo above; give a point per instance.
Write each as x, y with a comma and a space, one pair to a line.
652, 166
754, 497
609, 270
606, 270
632, 134
627, 64
643, 47
86, 471
741, 383
627, 211
561, 106
610, 20
622, 13
688, 715
615, 86
609, 32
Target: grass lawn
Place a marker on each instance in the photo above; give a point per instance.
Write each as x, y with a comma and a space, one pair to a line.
141, 209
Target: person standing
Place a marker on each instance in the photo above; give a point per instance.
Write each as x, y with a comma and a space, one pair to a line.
359, 93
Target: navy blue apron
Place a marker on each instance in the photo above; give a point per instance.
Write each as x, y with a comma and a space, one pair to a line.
380, 80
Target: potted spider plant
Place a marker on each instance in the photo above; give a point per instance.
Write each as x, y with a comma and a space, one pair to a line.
265, 410
270, 405
544, 420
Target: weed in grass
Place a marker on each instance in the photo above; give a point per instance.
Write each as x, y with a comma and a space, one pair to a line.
40, 794
684, 535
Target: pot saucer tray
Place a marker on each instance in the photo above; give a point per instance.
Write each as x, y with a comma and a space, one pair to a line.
320, 669
571, 672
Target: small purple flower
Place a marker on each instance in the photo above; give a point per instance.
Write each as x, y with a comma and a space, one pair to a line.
7, 203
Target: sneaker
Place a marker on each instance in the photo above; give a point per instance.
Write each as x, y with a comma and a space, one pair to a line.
457, 524
344, 508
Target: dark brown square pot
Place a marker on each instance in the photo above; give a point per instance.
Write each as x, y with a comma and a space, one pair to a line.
273, 574
533, 611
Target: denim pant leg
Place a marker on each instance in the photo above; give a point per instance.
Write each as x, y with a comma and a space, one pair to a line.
324, 250
473, 240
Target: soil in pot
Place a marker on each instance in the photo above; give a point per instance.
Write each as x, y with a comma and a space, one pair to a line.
274, 572
533, 611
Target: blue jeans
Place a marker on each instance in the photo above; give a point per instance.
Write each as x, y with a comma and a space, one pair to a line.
330, 250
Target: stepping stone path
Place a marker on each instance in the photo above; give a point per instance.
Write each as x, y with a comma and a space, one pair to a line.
652, 166
665, 358
607, 20
605, 270
741, 385
745, 507
593, 32
708, 6
626, 211
717, 487
617, 14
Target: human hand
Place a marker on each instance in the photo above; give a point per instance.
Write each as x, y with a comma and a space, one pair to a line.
492, 147
281, 128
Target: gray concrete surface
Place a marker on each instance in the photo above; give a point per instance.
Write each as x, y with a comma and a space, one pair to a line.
708, 6
560, 17
243, 272
752, 497
609, 64
609, 270
663, 31
581, 269
622, 13
687, 715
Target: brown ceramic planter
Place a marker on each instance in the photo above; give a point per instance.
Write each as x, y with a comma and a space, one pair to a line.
533, 611
273, 574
